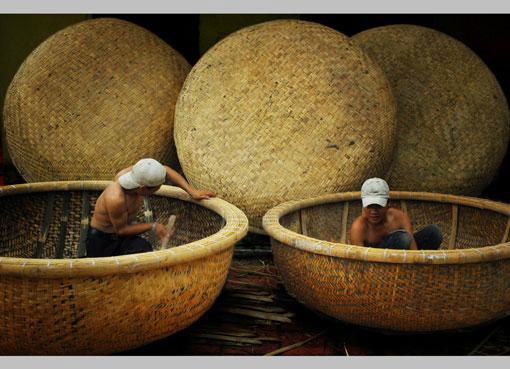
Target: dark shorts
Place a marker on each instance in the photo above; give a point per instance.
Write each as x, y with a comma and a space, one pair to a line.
429, 238
110, 244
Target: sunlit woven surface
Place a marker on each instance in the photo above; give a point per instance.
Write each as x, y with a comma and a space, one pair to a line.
453, 120
283, 110
465, 283
103, 305
92, 99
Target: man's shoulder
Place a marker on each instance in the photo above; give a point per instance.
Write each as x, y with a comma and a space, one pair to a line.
114, 194
396, 215
359, 223
396, 212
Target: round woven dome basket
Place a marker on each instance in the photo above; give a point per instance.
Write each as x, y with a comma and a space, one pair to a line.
464, 283
452, 120
92, 99
53, 301
283, 110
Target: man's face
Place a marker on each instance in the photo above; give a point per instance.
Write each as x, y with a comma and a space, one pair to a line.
147, 191
375, 214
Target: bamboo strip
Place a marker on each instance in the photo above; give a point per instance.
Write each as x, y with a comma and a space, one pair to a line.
507, 230
256, 314
506, 351
85, 211
239, 319
252, 252
345, 349
234, 300
230, 333
212, 327
455, 222
403, 205
253, 272
295, 345
252, 297
59, 251
252, 291
248, 284
345, 217
261, 308
269, 339
484, 340
45, 225
304, 222
237, 344
220, 337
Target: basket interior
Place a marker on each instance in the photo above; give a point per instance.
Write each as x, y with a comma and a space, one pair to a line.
54, 224
462, 226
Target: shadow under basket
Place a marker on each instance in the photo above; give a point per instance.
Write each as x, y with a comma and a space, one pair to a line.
464, 283
53, 300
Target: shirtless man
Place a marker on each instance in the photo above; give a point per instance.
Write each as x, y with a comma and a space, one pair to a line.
383, 227
111, 231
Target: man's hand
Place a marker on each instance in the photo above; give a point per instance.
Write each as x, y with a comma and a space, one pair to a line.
201, 194
161, 231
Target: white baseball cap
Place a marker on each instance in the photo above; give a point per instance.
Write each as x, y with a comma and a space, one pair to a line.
146, 172
375, 191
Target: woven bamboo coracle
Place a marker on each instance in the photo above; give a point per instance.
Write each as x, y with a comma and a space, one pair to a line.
464, 283
453, 119
53, 302
93, 99
283, 110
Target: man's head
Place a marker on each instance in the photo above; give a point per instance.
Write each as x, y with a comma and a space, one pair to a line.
375, 193
146, 174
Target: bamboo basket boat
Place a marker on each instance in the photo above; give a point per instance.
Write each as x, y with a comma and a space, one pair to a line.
464, 283
453, 119
54, 301
92, 99
283, 110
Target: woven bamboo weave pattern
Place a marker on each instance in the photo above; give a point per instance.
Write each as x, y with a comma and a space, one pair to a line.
465, 283
70, 305
453, 119
283, 110
91, 100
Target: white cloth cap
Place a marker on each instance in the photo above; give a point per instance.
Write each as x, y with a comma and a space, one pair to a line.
146, 172
375, 191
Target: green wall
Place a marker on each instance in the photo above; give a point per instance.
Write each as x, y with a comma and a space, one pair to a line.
20, 34
214, 27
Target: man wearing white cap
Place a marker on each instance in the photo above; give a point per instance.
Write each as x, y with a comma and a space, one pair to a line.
388, 228
111, 231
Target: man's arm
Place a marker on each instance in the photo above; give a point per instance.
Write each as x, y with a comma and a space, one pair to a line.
408, 226
358, 232
175, 178
118, 215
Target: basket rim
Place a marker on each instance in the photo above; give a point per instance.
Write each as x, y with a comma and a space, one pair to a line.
271, 224
234, 229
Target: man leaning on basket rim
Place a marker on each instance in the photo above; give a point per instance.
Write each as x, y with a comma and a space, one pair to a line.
112, 231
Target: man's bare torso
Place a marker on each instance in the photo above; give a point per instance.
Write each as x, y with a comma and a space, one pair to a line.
101, 218
374, 234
